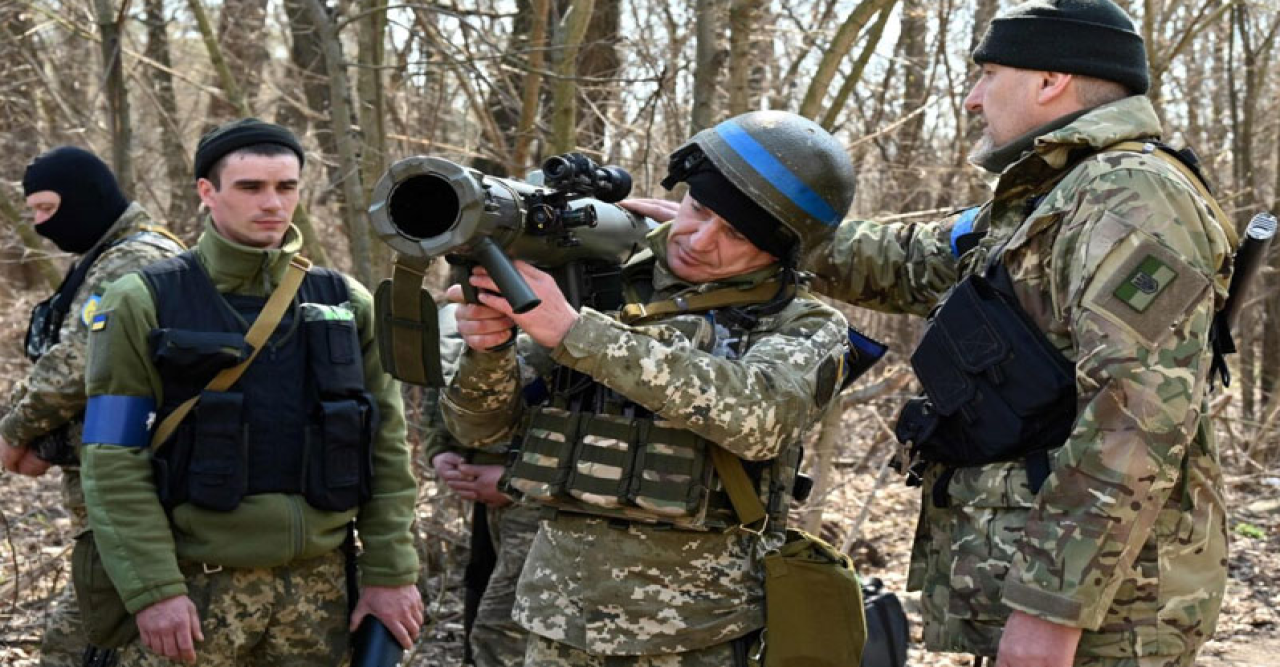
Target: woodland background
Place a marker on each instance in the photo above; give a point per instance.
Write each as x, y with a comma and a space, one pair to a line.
501, 84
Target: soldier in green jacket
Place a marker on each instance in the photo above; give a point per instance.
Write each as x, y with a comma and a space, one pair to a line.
77, 204
641, 560
225, 542
1099, 539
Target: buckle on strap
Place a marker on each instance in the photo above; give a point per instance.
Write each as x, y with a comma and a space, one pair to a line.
210, 569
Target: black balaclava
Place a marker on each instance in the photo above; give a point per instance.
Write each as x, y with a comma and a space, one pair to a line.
91, 197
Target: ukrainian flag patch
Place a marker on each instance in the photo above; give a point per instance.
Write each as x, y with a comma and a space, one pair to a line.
99, 321
90, 307
1145, 283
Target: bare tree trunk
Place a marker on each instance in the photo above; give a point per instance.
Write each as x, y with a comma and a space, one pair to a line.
109, 24
915, 92
531, 90
182, 201
564, 96
844, 40
744, 20
226, 80
599, 61
869, 45
709, 59
372, 111
241, 25
347, 138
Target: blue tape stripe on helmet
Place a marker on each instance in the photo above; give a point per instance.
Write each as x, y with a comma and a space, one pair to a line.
118, 420
777, 173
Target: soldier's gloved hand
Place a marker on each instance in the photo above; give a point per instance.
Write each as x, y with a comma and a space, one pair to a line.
659, 210
171, 628
1029, 641
480, 483
546, 325
398, 607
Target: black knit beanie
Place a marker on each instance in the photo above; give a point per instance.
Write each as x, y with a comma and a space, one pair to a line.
1090, 37
238, 134
91, 197
766, 232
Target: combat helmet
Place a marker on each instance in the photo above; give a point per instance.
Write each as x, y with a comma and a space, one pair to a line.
797, 177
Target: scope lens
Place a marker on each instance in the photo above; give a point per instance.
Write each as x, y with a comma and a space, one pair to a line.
423, 206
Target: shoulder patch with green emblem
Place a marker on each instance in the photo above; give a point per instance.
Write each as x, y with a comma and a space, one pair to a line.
1145, 287
1145, 283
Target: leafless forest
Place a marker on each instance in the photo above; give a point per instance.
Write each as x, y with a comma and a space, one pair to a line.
501, 84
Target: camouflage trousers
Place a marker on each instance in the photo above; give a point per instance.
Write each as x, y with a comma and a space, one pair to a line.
290, 616
543, 652
63, 642
496, 639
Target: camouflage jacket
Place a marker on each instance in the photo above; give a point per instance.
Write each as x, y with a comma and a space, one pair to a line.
53, 392
141, 546
1126, 539
637, 589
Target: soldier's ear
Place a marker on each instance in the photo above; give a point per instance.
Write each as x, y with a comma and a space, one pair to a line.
1053, 86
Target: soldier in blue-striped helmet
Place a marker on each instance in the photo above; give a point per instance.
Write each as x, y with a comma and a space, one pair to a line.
779, 178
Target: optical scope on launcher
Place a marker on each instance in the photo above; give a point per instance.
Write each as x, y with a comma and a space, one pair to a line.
428, 207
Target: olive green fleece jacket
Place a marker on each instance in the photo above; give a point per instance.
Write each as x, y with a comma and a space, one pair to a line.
141, 548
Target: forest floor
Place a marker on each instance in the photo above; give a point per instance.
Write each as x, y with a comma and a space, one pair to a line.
37, 543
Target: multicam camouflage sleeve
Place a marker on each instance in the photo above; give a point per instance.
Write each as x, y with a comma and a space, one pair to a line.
1135, 274
896, 267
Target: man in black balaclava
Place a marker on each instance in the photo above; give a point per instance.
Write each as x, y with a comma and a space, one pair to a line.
78, 205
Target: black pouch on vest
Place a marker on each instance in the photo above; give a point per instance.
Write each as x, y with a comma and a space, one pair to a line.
218, 476
995, 388
336, 457
888, 632
200, 354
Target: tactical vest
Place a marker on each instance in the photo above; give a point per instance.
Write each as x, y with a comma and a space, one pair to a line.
589, 450
298, 421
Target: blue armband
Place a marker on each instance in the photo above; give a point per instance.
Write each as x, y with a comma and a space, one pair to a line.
964, 225
118, 420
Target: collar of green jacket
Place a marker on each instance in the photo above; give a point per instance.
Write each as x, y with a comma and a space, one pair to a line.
242, 269
667, 283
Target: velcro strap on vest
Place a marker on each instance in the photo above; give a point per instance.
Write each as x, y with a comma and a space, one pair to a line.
636, 313
742, 493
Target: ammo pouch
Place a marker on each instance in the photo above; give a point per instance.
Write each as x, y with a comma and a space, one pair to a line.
107, 623
631, 468
813, 606
995, 389
338, 468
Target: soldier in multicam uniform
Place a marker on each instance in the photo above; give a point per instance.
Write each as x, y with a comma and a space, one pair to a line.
230, 550
639, 561
506, 528
78, 206
1119, 559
